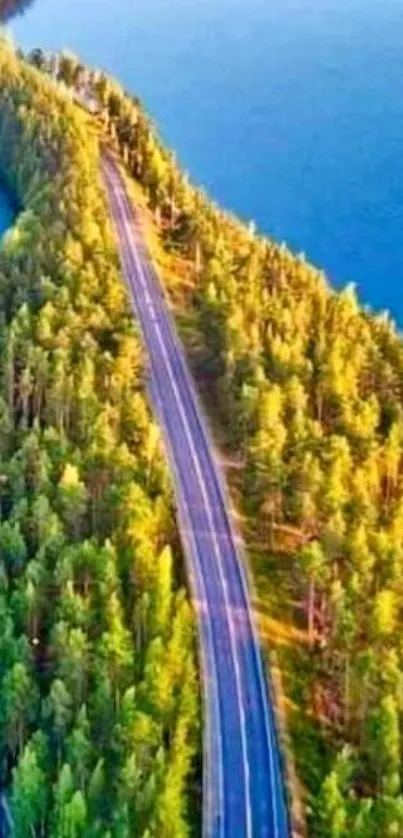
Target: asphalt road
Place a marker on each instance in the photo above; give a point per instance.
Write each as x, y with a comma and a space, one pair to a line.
244, 794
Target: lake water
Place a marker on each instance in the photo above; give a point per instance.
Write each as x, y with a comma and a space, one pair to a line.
290, 112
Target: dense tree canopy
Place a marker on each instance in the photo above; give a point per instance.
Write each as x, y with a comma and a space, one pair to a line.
311, 386
98, 690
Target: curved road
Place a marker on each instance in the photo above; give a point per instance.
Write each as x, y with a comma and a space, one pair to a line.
244, 795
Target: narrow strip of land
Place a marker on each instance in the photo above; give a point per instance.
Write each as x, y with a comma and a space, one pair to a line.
244, 793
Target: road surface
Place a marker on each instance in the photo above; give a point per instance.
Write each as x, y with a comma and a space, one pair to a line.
244, 794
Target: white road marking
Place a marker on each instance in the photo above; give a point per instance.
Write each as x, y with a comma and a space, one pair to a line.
217, 550
271, 741
188, 531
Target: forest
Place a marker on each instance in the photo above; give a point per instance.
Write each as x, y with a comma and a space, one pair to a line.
99, 695
309, 384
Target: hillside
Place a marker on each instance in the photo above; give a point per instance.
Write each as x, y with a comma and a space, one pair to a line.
307, 389
99, 708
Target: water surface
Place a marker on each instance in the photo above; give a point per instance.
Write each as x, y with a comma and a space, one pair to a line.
290, 112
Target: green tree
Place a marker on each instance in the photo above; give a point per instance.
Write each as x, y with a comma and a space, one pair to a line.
29, 792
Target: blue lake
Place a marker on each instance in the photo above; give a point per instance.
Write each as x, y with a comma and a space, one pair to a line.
289, 112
